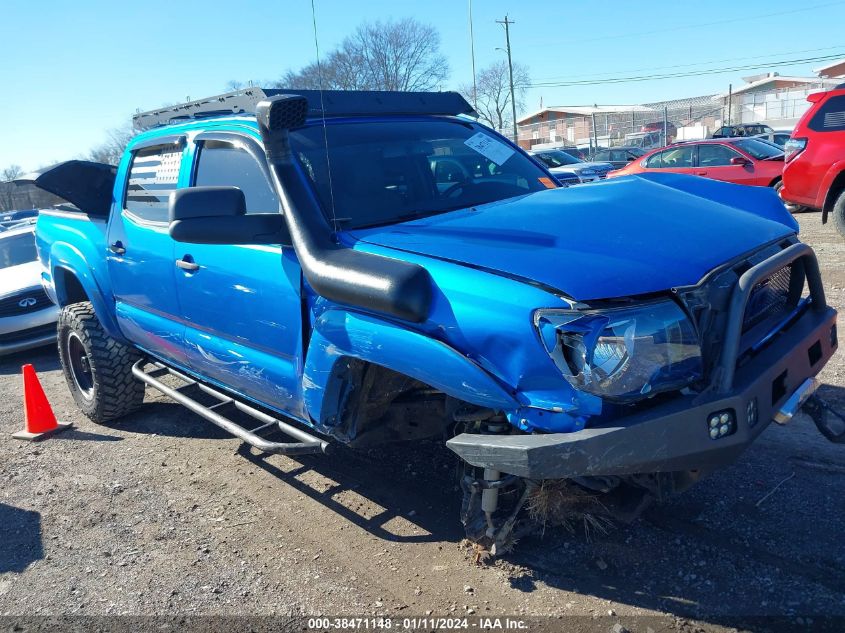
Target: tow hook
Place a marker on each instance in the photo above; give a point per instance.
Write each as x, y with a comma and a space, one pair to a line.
828, 421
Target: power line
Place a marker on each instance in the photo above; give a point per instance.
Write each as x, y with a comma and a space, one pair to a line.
689, 65
705, 71
744, 19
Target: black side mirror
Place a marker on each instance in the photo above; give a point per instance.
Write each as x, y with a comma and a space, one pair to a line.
206, 202
217, 215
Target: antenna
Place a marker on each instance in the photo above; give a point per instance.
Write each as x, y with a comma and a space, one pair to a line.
472, 54
323, 116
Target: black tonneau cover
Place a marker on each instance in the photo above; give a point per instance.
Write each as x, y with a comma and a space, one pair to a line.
83, 183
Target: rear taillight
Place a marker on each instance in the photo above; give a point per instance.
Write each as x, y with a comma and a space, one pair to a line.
793, 147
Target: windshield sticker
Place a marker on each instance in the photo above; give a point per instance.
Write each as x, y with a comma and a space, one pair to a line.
489, 147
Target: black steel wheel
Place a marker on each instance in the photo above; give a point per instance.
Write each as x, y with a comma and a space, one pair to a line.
97, 368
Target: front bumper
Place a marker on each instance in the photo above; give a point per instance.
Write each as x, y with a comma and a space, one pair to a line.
28, 331
675, 436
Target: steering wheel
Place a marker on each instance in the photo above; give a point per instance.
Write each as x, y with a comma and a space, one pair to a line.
449, 192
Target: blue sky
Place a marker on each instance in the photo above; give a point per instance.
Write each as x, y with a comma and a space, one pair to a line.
73, 70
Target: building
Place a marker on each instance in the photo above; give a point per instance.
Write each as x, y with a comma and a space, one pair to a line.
773, 99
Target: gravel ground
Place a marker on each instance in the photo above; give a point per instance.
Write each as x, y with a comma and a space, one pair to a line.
162, 514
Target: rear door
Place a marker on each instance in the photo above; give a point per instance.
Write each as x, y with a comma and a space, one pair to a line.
140, 255
241, 304
678, 159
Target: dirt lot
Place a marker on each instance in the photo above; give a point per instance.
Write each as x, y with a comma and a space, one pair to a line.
161, 513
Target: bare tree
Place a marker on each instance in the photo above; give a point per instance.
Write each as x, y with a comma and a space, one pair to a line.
112, 150
493, 97
403, 55
8, 197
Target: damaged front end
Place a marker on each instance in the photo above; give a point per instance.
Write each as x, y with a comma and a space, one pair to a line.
677, 387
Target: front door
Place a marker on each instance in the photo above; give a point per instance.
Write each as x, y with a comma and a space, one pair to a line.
714, 161
140, 252
241, 305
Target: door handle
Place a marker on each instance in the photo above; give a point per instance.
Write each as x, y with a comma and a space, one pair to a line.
701, 173
187, 265
117, 248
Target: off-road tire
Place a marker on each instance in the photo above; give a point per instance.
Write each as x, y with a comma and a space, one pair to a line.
114, 391
838, 213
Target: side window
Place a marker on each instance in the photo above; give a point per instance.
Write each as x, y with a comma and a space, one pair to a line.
152, 176
830, 117
713, 155
603, 155
619, 155
655, 161
223, 164
678, 157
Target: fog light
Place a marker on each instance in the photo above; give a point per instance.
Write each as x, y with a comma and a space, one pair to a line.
751, 412
721, 424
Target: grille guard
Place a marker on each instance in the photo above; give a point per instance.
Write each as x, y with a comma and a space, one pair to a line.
726, 366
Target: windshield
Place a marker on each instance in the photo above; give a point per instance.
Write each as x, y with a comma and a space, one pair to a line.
385, 172
17, 249
557, 158
759, 149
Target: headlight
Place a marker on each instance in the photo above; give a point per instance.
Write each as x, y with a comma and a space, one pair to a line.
623, 354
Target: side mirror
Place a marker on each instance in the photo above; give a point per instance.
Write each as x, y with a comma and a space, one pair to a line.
740, 160
217, 215
206, 202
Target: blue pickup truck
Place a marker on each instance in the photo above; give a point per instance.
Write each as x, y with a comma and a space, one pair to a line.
366, 267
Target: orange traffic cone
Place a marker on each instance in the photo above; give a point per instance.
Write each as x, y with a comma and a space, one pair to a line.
39, 418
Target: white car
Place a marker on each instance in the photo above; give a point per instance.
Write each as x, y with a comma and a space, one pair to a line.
27, 316
570, 169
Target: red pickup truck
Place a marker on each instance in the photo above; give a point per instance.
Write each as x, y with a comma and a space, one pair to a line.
814, 175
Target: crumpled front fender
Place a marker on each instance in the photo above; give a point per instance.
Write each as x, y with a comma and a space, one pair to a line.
339, 335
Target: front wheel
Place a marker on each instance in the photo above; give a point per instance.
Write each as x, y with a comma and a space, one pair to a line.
97, 368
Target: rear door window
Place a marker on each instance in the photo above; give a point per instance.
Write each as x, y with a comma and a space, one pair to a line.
675, 158
153, 174
830, 117
655, 161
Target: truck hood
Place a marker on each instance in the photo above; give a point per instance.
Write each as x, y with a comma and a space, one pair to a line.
626, 236
22, 277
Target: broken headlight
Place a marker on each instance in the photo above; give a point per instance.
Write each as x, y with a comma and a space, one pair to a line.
623, 354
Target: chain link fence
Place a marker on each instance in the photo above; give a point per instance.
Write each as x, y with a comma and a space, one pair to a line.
653, 125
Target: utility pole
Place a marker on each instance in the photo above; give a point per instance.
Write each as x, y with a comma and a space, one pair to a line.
472, 53
730, 98
507, 24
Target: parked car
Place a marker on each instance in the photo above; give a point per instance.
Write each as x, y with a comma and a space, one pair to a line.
619, 156
27, 316
776, 137
632, 335
646, 140
744, 161
562, 163
744, 129
11, 218
814, 175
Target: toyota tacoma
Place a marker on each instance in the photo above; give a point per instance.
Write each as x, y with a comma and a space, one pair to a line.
310, 261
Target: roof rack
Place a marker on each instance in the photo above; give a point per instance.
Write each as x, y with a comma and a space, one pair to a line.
328, 103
